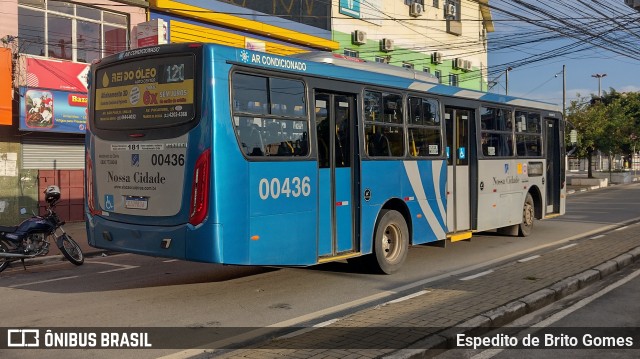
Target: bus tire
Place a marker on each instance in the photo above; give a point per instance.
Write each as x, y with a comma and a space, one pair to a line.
390, 242
528, 215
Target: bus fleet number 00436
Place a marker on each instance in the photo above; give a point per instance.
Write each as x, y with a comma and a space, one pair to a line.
275, 187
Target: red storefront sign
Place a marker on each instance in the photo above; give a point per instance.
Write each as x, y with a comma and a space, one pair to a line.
57, 75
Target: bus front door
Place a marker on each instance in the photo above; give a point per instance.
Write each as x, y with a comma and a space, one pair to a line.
458, 123
335, 124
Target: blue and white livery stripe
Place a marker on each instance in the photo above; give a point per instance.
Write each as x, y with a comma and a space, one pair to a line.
411, 167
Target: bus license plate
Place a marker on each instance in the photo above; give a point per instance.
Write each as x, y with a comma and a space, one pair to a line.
132, 202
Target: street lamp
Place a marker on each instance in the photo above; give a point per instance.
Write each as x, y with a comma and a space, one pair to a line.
599, 77
564, 89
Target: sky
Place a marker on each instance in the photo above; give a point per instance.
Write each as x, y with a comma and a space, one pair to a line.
536, 38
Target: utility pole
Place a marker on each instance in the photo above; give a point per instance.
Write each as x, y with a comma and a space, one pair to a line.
599, 77
506, 81
564, 91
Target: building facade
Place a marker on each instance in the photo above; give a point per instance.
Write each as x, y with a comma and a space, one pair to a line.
46, 49
47, 46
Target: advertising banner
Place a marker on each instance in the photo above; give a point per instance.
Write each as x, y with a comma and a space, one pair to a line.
52, 111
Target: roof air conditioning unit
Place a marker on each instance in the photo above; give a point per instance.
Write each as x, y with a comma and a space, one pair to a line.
359, 37
416, 9
386, 45
450, 10
436, 58
458, 63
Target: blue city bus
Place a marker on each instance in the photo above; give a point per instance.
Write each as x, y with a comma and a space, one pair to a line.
208, 153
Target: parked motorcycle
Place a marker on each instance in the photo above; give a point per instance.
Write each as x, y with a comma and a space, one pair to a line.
32, 237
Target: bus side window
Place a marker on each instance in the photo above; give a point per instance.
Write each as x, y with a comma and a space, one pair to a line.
250, 137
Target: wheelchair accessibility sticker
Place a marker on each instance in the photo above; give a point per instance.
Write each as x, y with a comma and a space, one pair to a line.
462, 153
108, 202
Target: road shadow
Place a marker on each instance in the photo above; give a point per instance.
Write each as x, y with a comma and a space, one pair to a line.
99, 274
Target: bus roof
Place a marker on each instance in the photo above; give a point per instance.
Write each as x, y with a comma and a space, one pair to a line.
361, 64
345, 68
422, 80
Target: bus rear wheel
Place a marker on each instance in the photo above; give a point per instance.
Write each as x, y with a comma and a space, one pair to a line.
528, 215
390, 242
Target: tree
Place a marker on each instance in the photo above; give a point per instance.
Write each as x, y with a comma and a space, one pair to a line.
615, 131
610, 123
587, 120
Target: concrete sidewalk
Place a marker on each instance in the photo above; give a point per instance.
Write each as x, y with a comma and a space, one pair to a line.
431, 320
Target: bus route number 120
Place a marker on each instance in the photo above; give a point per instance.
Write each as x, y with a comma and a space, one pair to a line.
288, 187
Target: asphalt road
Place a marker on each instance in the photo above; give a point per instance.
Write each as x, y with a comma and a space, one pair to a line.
134, 291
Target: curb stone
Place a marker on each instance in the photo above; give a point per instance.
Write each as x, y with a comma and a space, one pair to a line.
607, 268
539, 299
588, 277
565, 287
635, 253
623, 260
506, 313
518, 308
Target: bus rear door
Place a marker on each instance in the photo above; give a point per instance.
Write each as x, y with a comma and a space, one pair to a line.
335, 124
554, 165
458, 122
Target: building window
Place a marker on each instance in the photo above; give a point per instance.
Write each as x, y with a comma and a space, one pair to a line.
426, 70
351, 53
438, 75
312, 13
436, 3
69, 31
407, 65
453, 79
409, 2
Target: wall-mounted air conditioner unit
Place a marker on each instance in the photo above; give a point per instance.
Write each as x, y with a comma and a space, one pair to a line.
458, 63
450, 10
467, 65
386, 45
416, 9
359, 37
436, 58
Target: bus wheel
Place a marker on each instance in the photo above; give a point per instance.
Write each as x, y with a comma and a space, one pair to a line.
391, 242
528, 215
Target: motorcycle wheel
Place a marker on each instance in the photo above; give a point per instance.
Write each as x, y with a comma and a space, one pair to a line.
70, 249
4, 262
